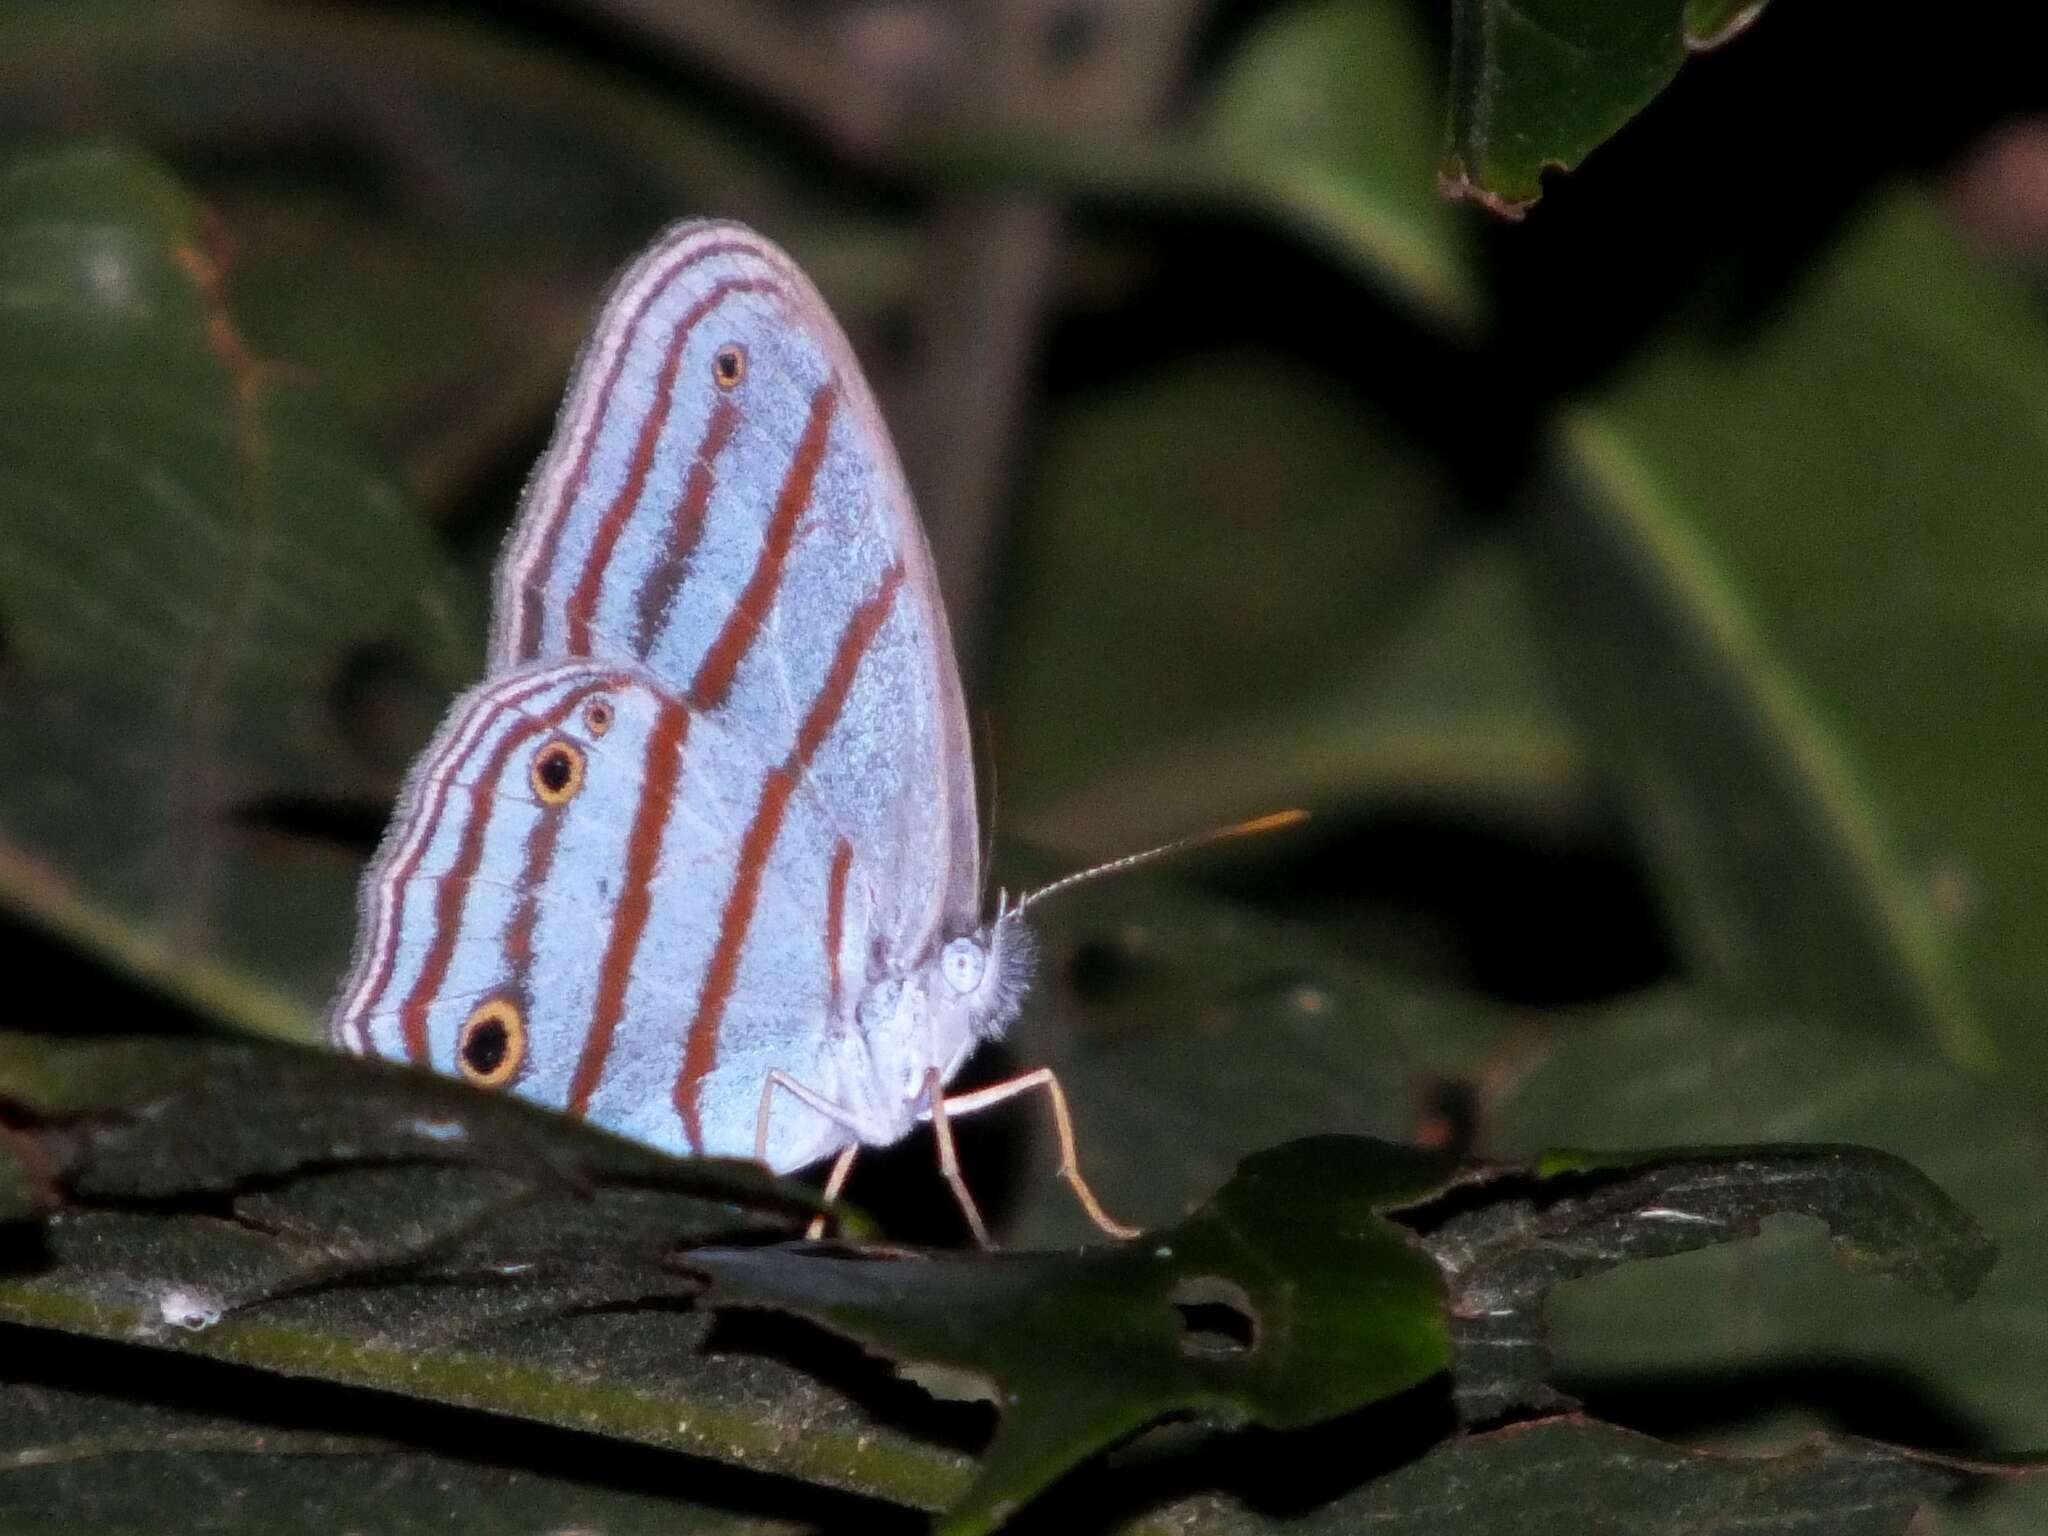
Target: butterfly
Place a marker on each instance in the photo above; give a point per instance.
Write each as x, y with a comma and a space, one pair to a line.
698, 861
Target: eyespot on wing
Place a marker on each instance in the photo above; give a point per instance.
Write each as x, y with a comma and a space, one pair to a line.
557, 772
492, 1045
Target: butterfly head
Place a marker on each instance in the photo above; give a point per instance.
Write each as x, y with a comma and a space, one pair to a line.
985, 975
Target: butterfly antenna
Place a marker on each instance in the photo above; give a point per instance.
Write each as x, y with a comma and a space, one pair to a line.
1272, 822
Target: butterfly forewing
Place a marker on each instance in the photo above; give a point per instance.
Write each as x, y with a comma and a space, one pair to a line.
722, 506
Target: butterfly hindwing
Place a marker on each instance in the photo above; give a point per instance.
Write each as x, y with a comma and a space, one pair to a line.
563, 868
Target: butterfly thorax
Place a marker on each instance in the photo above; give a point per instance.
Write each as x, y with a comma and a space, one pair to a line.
930, 1017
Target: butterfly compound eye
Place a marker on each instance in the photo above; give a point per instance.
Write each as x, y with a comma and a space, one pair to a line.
557, 772
962, 963
492, 1043
729, 365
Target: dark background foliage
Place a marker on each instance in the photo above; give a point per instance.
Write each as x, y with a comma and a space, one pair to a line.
1645, 594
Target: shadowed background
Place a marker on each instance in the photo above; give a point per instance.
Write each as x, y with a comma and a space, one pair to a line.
1645, 596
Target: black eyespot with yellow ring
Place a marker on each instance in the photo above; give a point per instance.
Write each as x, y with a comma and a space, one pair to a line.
557, 772
729, 365
492, 1045
597, 716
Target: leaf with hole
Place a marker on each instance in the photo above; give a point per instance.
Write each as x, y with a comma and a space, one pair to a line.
1286, 1300
1773, 1328
1507, 1239
1300, 1292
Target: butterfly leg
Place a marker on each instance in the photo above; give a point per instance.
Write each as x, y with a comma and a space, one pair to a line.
949, 1158
835, 1181
842, 1165
1063, 1123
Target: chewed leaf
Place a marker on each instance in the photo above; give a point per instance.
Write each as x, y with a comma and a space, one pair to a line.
1538, 84
1509, 1238
299, 1214
1288, 1299
1635, 1073
1295, 1295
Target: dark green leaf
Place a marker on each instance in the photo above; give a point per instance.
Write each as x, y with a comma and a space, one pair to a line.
298, 1213
1286, 1300
1771, 1324
214, 608
1505, 1245
439, 278
1261, 1306
1797, 568
82, 1450
1537, 84
1592, 1479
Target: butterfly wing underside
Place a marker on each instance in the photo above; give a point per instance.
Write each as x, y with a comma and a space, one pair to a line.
718, 554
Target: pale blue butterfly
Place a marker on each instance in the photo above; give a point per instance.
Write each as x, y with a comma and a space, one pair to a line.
699, 858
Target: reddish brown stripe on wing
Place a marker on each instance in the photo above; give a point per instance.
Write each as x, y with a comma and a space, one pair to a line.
686, 527
540, 858
530, 601
636, 896
859, 634
700, 1050
835, 911
722, 661
426, 818
531, 615
454, 886
583, 601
